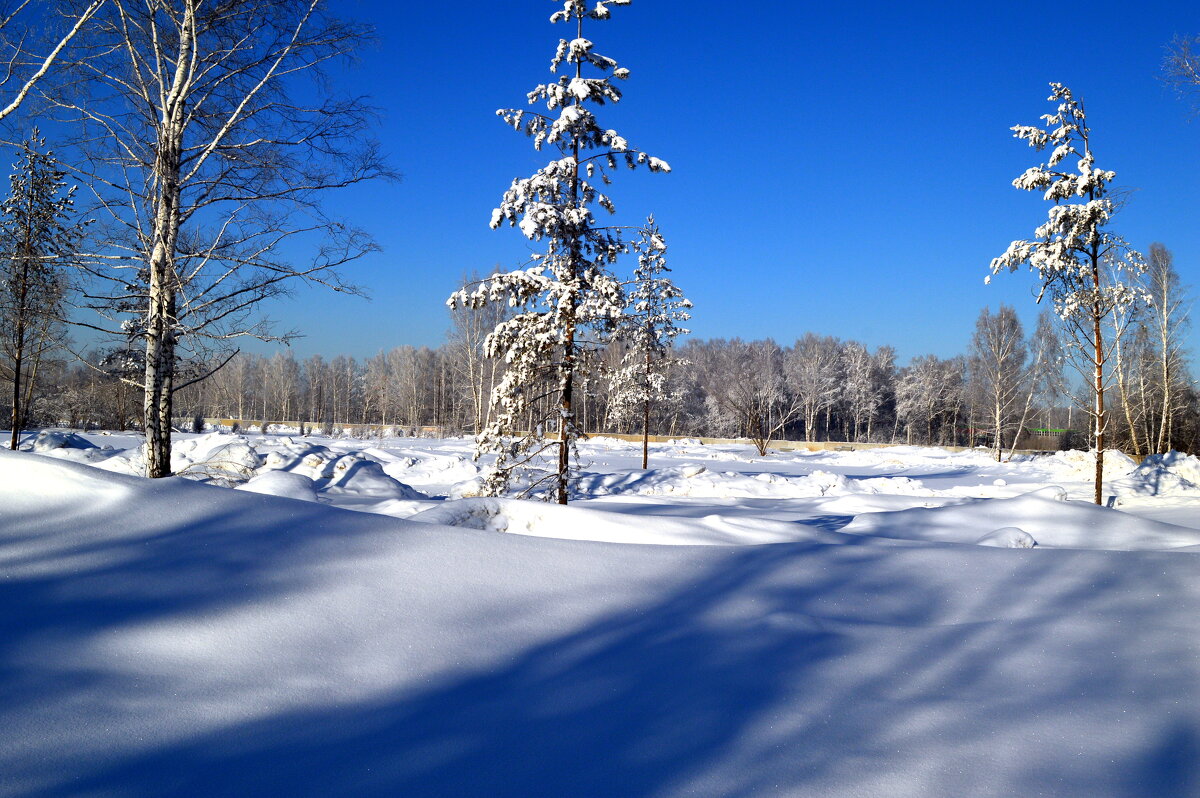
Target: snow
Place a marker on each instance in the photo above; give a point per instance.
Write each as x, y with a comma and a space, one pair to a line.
286, 484
886, 622
51, 439
1009, 537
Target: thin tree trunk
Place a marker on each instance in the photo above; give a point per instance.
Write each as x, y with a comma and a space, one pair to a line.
160, 327
1124, 395
1164, 428
16, 399
1098, 379
646, 436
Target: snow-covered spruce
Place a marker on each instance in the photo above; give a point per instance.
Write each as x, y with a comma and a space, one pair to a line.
654, 308
38, 236
566, 295
1080, 263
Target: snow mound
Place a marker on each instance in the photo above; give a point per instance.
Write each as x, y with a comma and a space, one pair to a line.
285, 484
1042, 514
697, 481
51, 439
360, 476
614, 444
216, 457
1051, 492
1170, 474
1009, 537
1077, 466
309, 459
541, 519
414, 467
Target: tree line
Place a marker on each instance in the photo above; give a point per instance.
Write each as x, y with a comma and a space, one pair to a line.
1008, 390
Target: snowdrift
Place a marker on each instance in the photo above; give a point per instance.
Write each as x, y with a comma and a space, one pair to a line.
171, 638
1045, 515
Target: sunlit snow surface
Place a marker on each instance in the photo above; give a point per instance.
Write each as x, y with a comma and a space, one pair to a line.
925, 624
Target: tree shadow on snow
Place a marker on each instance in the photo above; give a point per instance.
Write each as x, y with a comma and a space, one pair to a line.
786, 669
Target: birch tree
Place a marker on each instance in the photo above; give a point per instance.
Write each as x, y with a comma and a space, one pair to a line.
930, 394
813, 370
997, 369
209, 154
1181, 68
1043, 378
1167, 319
745, 381
1071, 250
25, 67
568, 293
466, 343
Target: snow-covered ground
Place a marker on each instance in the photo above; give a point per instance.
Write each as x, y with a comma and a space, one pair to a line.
923, 624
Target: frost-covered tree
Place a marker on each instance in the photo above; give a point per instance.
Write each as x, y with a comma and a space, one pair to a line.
466, 342
814, 375
929, 395
867, 381
745, 384
1167, 320
568, 293
38, 239
1181, 67
655, 307
1082, 265
998, 373
856, 390
1043, 377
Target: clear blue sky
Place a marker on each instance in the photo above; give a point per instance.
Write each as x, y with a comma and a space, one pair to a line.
840, 168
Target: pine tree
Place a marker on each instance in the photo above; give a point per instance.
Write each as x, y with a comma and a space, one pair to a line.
654, 308
567, 293
1078, 260
37, 235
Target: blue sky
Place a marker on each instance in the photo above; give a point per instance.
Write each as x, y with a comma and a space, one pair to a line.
839, 168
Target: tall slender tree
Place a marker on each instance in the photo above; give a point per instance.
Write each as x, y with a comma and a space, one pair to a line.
1043, 378
997, 371
466, 342
1080, 262
568, 292
813, 368
39, 237
1167, 318
654, 309
209, 154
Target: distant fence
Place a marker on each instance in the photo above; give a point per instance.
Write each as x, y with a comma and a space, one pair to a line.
794, 446
328, 428
407, 431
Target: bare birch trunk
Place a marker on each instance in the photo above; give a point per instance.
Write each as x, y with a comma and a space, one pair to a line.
1123, 392
161, 314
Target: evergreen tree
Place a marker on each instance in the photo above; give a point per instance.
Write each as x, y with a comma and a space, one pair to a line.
1079, 261
568, 293
37, 236
654, 307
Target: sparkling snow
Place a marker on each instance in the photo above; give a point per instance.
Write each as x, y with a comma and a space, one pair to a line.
886, 622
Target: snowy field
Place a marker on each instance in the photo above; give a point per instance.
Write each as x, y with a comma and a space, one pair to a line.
921, 624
